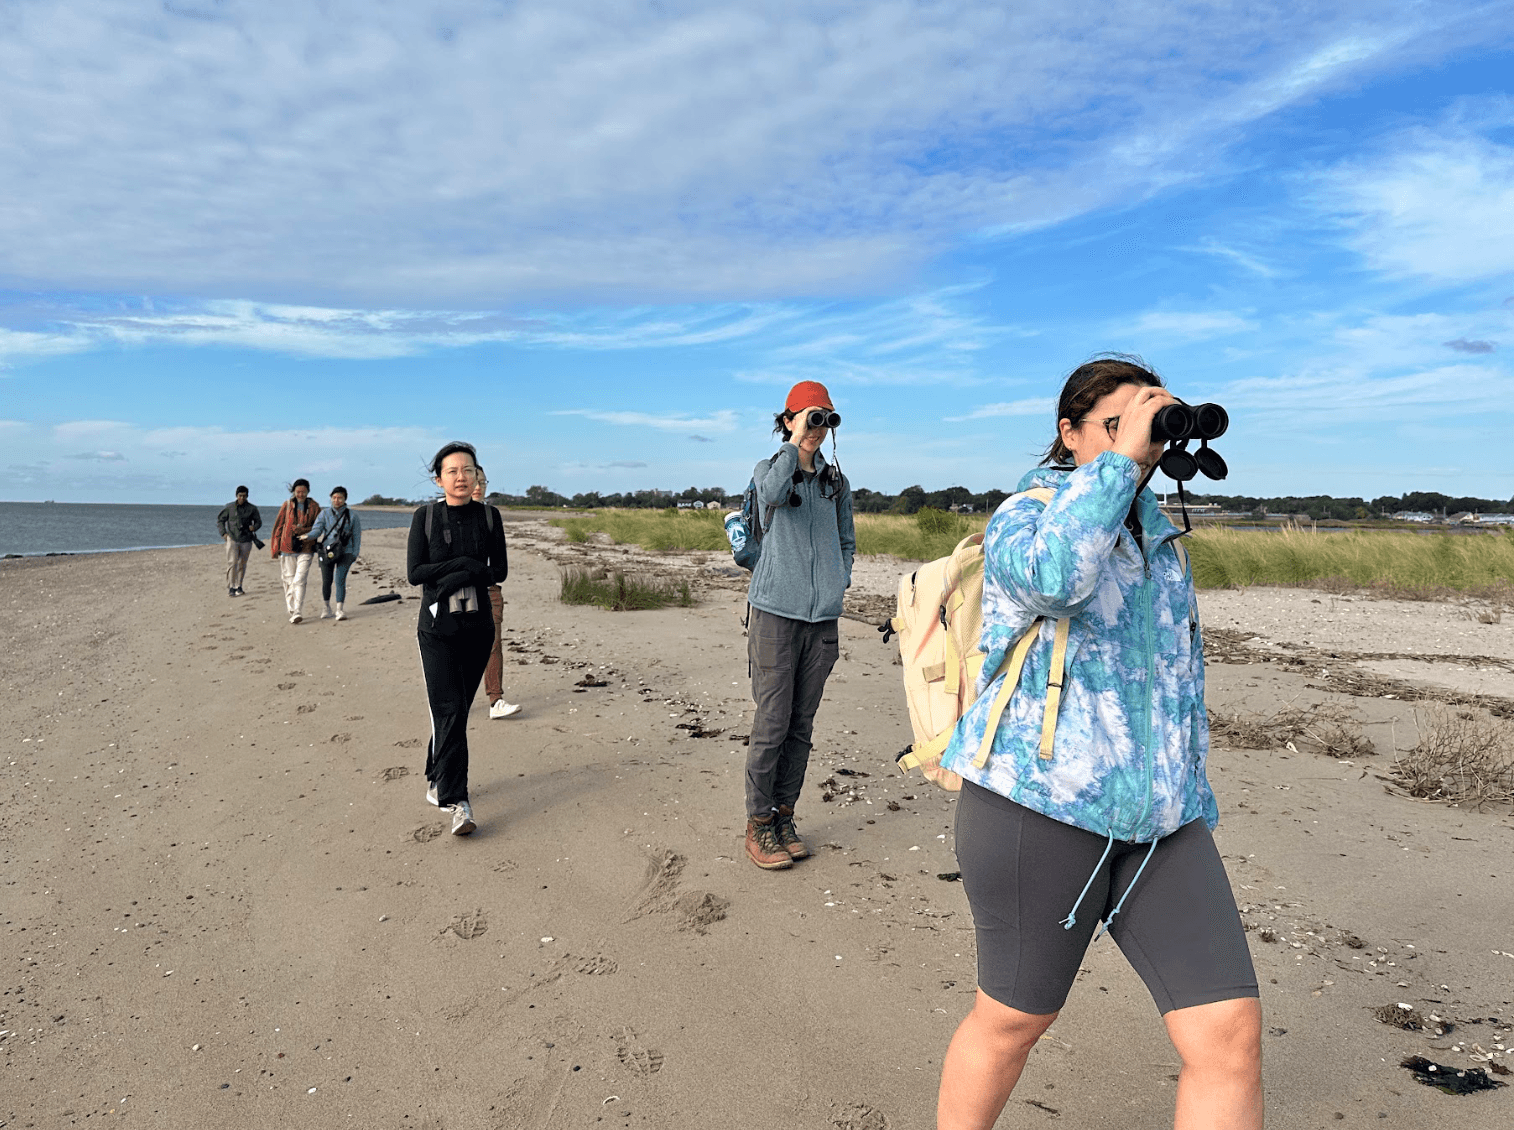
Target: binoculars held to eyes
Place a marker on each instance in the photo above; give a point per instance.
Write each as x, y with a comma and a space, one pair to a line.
823, 418
1177, 424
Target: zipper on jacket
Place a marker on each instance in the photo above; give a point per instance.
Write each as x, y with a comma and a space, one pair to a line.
1151, 671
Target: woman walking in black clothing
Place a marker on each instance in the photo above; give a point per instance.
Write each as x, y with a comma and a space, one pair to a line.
457, 550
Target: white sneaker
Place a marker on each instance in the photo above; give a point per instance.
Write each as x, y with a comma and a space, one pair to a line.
502, 709
431, 796
326, 613
340, 615
462, 819
295, 617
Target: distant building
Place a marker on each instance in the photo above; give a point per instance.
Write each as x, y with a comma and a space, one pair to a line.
1498, 519
1413, 516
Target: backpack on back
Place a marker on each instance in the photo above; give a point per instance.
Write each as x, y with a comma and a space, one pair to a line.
744, 529
939, 621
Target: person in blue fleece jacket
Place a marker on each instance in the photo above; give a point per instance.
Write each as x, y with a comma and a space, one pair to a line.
805, 506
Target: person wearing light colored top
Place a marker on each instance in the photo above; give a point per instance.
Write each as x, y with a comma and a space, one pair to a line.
337, 525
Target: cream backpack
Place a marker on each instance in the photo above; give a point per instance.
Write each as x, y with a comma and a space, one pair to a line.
938, 622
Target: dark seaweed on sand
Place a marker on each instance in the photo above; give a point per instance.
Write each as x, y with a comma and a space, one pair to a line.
1449, 1079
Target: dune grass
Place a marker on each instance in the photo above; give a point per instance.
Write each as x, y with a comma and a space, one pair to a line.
1403, 563
1399, 564
916, 537
620, 593
651, 529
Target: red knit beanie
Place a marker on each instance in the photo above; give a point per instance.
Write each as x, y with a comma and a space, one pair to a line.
808, 394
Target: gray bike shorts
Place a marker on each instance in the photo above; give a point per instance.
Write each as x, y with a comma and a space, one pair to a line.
1023, 872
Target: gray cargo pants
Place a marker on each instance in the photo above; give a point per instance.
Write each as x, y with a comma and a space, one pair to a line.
790, 662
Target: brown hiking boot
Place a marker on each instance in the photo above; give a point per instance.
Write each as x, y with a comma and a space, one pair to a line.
763, 846
788, 835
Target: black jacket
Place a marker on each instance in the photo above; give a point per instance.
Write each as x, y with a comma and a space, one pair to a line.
239, 521
474, 554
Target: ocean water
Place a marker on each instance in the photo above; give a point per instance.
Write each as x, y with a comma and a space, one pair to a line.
32, 528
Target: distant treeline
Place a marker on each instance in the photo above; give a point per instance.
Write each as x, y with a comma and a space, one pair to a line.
1322, 506
1319, 507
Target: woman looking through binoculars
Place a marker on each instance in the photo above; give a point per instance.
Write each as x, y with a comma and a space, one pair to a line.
1108, 815
805, 507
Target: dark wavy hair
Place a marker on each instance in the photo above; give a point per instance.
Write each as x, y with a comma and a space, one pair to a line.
1083, 388
452, 449
339, 490
299, 483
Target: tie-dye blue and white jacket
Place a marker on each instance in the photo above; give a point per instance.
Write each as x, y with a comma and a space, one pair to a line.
1132, 736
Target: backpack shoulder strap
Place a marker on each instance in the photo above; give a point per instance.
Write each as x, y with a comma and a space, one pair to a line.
429, 506
489, 517
1054, 678
1182, 551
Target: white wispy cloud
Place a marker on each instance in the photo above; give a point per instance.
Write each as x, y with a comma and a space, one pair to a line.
381, 155
1191, 325
1435, 201
110, 458
1034, 406
721, 421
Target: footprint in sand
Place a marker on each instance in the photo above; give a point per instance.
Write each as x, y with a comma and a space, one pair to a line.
596, 966
468, 925
408, 743
286, 686
394, 773
305, 708
697, 911
637, 1057
427, 832
341, 739
859, 1116
693, 911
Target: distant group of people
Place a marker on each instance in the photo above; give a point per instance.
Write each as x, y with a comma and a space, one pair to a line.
1108, 814
302, 534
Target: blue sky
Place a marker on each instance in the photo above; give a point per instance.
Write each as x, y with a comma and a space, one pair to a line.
244, 242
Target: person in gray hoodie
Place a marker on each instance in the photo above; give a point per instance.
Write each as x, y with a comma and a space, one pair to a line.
805, 506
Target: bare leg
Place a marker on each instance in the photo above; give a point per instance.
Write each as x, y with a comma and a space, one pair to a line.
984, 1063
1221, 1046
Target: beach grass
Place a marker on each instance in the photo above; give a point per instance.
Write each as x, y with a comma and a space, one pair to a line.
1403, 564
618, 592
651, 529
1396, 564
915, 537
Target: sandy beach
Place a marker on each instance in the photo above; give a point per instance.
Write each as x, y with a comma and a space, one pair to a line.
226, 903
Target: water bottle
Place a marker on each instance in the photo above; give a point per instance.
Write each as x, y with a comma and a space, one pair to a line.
735, 530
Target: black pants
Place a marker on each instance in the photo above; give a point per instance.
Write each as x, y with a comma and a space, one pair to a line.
791, 660
453, 666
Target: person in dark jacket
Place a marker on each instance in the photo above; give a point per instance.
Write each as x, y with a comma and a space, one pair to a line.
238, 523
805, 507
456, 551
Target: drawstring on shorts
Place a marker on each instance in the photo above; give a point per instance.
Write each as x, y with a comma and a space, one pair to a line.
1072, 915
1108, 921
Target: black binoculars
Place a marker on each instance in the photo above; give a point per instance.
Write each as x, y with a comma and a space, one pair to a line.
1185, 421
821, 418
1177, 424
